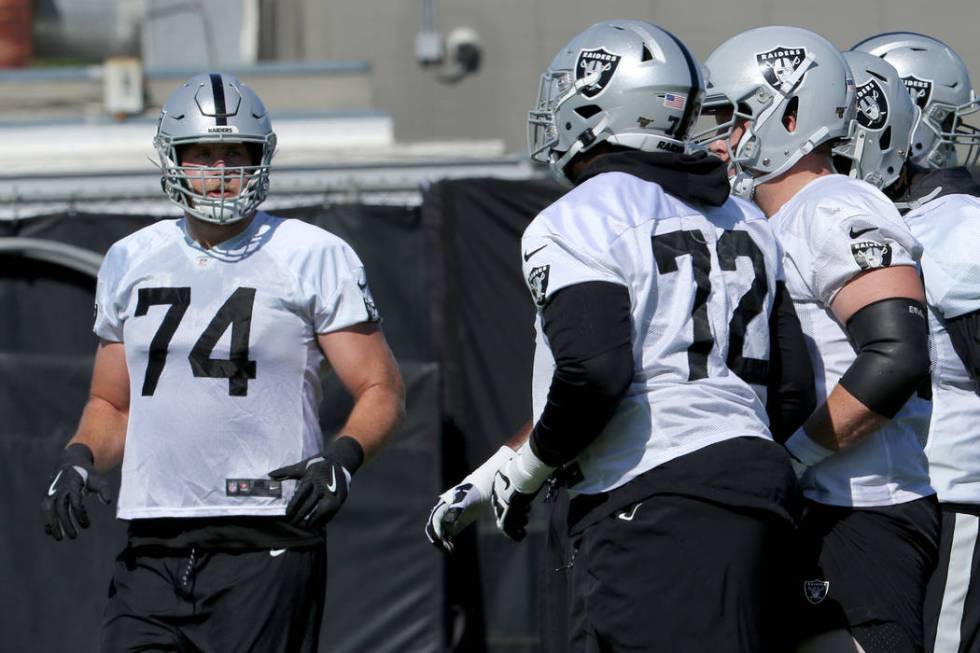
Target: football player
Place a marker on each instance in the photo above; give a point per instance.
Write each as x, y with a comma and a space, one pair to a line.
655, 291
213, 329
785, 96
942, 209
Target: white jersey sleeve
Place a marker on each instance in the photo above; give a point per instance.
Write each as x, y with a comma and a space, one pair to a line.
551, 263
857, 234
334, 276
109, 304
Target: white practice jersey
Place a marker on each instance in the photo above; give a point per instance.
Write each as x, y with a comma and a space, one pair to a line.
223, 358
701, 281
949, 230
833, 229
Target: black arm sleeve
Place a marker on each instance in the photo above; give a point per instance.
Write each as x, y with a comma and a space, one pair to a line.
791, 395
590, 332
891, 337
964, 331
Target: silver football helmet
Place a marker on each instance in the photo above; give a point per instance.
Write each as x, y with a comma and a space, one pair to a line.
939, 82
624, 82
881, 131
763, 75
215, 108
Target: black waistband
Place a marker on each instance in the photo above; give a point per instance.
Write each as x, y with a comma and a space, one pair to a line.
748, 473
240, 532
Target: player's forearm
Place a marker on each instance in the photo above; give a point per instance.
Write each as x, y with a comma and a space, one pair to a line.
842, 421
520, 437
377, 414
102, 428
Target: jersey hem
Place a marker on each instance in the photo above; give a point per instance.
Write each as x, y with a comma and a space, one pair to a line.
211, 511
893, 499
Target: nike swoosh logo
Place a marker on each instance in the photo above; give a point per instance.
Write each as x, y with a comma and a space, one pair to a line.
855, 233
275, 553
51, 488
528, 255
332, 485
631, 514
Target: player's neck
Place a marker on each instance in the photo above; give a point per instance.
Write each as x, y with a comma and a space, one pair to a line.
208, 235
772, 195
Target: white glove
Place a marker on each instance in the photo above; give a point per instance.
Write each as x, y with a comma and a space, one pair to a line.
514, 487
804, 452
459, 506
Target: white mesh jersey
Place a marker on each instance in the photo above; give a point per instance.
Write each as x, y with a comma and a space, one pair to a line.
831, 230
949, 229
701, 282
223, 357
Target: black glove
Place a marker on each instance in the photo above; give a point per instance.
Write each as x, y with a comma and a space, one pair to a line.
72, 480
324, 482
515, 485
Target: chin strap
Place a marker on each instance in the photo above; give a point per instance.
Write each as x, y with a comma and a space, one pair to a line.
914, 204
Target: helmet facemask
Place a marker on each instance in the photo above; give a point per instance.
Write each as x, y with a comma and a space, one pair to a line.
253, 180
950, 131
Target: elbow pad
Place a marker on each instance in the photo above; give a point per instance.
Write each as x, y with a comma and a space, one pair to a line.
892, 341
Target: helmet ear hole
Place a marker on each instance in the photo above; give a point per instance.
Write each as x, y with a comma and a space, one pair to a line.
588, 110
885, 141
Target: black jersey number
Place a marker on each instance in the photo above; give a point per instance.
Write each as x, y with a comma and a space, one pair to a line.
667, 248
236, 313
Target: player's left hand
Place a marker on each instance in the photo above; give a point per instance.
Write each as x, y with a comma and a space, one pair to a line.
514, 487
324, 483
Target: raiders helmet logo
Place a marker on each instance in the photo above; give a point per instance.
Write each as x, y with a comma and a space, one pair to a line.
816, 591
537, 282
779, 64
870, 255
594, 69
919, 89
872, 105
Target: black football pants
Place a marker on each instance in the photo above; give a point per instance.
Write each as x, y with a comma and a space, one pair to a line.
215, 601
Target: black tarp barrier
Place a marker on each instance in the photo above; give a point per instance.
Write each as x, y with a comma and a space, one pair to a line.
385, 589
482, 321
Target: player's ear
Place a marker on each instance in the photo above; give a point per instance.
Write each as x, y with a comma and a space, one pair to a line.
789, 115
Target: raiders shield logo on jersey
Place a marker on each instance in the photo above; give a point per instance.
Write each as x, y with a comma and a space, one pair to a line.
919, 89
872, 105
816, 591
870, 255
537, 281
596, 68
779, 64
372, 309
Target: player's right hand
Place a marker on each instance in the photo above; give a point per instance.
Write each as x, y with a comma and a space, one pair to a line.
64, 507
459, 506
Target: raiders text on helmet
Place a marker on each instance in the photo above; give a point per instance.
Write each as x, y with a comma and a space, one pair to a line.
880, 134
628, 83
215, 108
763, 75
940, 85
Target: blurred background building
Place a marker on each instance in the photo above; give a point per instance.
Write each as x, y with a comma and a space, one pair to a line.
378, 96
